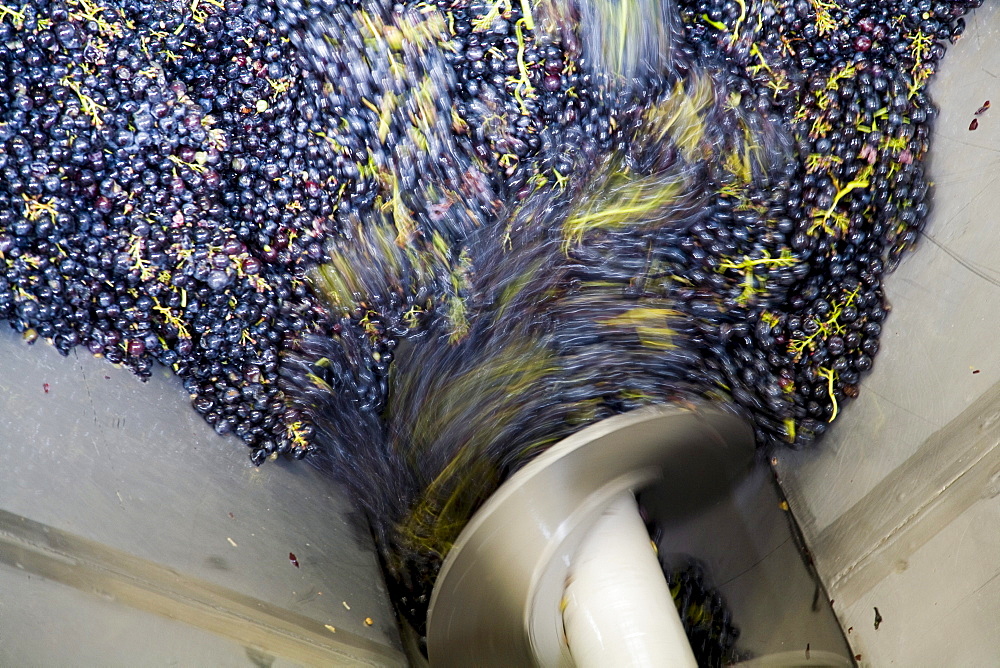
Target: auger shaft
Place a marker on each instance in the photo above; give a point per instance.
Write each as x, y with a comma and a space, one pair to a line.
617, 607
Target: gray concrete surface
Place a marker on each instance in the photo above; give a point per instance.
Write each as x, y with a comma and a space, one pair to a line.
750, 553
132, 534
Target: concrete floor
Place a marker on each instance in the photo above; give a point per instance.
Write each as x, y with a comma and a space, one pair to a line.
750, 553
130, 532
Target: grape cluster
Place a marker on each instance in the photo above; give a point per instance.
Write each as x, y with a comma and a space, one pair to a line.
807, 257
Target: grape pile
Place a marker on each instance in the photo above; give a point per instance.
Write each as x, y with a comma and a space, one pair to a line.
762, 172
706, 619
850, 80
163, 193
171, 172
430, 238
